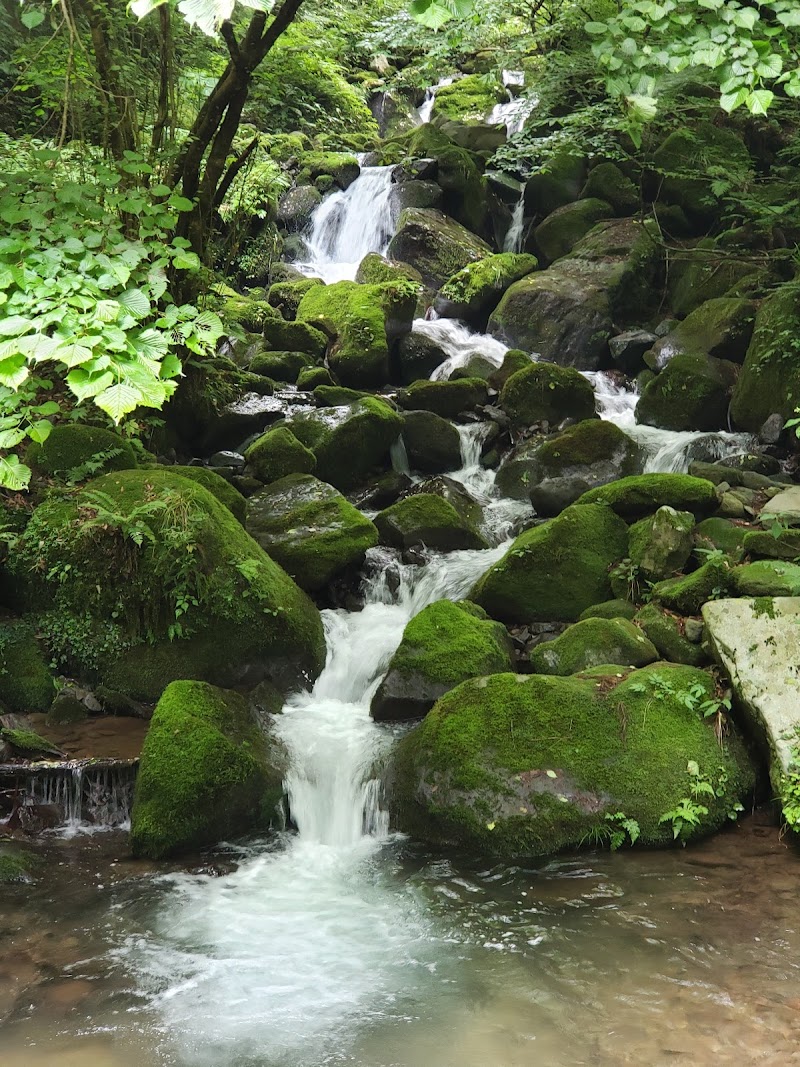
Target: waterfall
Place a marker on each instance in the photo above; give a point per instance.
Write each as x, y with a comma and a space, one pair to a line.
83, 796
513, 114
426, 107
513, 238
459, 344
348, 225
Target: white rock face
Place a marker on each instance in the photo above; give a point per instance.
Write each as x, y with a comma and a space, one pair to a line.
758, 644
785, 506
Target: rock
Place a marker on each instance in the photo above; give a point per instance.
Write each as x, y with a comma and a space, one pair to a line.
309, 529
17, 865
417, 357
519, 766
278, 453
447, 399
341, 166
455, 494
311, 377
643, 494
556, 570
349, 442
759, 544
298, 335
686, 595
513, 360
703, 273
242, 418
403, 195
627, 350
770, 380
226, 493
234, 460
772, 430
442, 646
546, 392
766, 578
757, 642
669, 634
436, 245
285, 297
374, 269
592, 643
336, 396
433, 444
296, 207
27, 743
607, 182
660, 545
26, 682
721, 328
80, 452
426, 520
475, 291
363, 321
206, 774
609, 609
691, 393
381, 491
197, 598
566, 313
470, 98
560, 231
783, 508
281, 366
559, 184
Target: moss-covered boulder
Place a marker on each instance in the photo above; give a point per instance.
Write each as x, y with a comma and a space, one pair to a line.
766, 577
225, 493
529, 765
427, 520
606, 182
18, 865
285, 297
433, 444
474, 292
311, 377
592, 643
514, 359
27, 743
375, 268
281, 366
470, 98
309, 529
722, 534
26, 681
770, 378
643, 494
278, 453
668, 633
686, 595
706, 272
721, 328
660, 545
417, 357
207, 773
556, 570
363, 321
350, 442
609, 609
559, 183
435, 244
559, 233
553, 473
186, 592
447, 399
545, 392
295, 336
692, 392
343, 167
442, 646
79, 452
758, 544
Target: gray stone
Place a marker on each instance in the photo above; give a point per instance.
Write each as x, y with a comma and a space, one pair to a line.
227, 459
628, 348
784, 508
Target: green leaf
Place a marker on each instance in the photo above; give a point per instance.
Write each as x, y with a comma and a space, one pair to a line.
13, 371
596, 28
32, 18
11, 438
15, 326
85, 385
135, 301
759, 101
13, 474
730, 101
40, 431
117, 401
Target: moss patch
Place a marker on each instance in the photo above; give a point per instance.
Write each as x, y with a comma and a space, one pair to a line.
643, 494
26, 682
278, 453
81, 452
429, 520
591, 643
545, 391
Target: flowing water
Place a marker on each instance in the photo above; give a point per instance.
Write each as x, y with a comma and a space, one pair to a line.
513, 113
425, 109
515, 235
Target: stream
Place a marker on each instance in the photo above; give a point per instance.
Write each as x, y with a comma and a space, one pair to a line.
341, 943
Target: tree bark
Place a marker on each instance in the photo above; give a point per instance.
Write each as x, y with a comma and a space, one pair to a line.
120, 106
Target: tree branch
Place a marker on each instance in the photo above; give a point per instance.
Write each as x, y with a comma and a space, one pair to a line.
233, 170
229, 37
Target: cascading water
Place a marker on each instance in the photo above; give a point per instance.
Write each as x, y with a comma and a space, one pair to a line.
348, 225
513, 114
516, 230
82, 796
425, 109
459, 344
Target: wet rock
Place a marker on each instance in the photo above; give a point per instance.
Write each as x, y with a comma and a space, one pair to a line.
447, 399
381, 492
455, 494
643, 494
475, 291
661, 544
296, 207
435, 244
233, 460
560, 231
627, 350
278, 453
546, 391
429, 520
248, 415
721, 328
417, 357
414, 194
433, 444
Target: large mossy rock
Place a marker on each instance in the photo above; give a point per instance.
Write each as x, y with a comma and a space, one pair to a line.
309, 529
567, 313
553, 473
185, 592
374, 269
668, 633
442, 646
592, 643
281, 366
556, 570
692, 392
643, 494
447, 399
26, 682
607, 182
770, 378
687, 594
81, 452
206, 773
530, 765
435, 244
427, 520
660, 545
475, 291
433, 444
545, 392
766, 577
349, 442
558, 183
467, 99
278, 453
216, 485
560, 232
343, 167
721, 328
363, 321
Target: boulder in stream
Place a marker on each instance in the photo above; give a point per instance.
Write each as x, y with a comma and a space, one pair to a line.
429, 521
435, 244
591, 643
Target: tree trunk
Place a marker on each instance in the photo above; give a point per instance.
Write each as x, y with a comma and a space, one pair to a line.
120, 106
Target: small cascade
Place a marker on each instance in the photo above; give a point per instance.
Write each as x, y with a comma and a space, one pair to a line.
425, 109
513, 114
399, 457
459, 343
348, 225
74, 796
516, 230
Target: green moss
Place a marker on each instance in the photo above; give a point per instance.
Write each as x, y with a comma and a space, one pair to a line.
309, 529
687, 595
246, 312
585, 442
690, 393
29, 743
514, 359
592, 642
186, 592
435, 244
447, 399
470, 98
478, 287
216, 485
26, 682
667, 634
17, 866
609, 609
766, 578
281, 366
426, 519
285, 297
556, 570
642, 494
607, 182
528, 765
687, 162
760, 544
296, 336
720, 533
375, 269
336, 396
660, 544
449, 642
311, 377
81, 452
350, 443
278, 453
545, 391
343, 167
558, 234
204, 774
